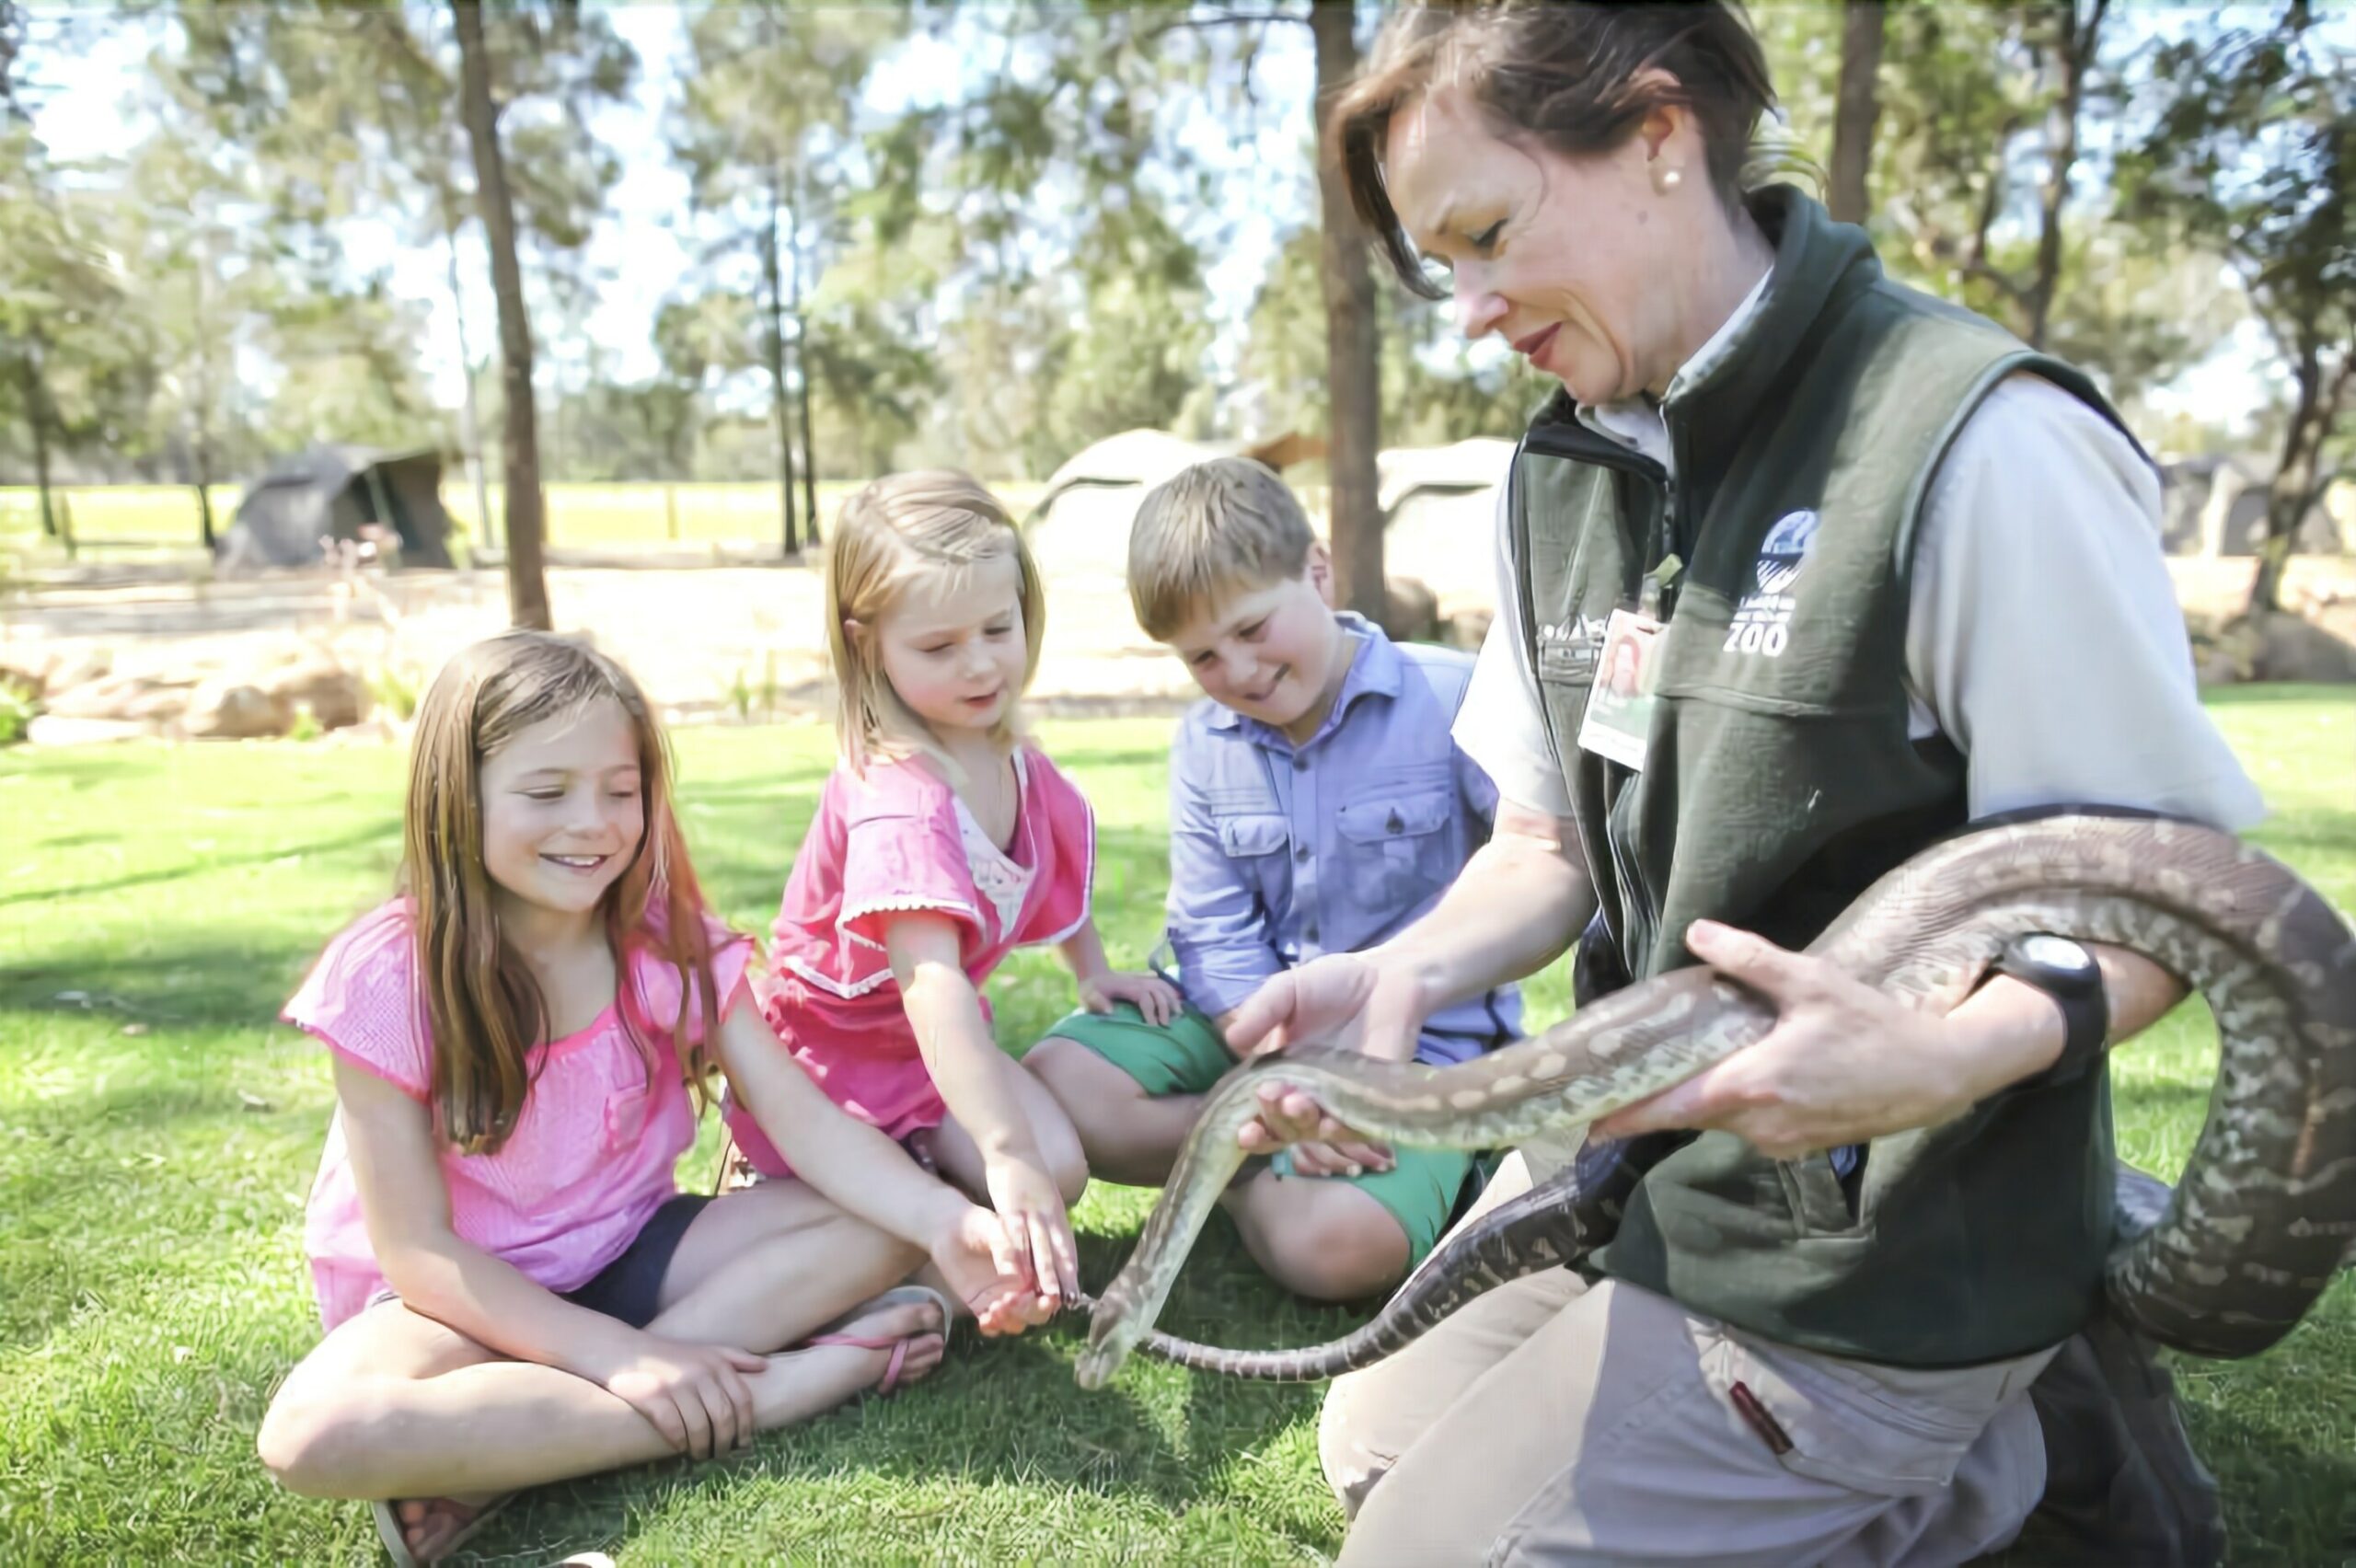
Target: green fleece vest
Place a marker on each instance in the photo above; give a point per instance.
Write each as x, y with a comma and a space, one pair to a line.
1780, 780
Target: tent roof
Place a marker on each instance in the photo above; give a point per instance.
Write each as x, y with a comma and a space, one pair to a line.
1132, 458
1477, 463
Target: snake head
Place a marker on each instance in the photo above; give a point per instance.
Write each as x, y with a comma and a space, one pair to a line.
1113, 1331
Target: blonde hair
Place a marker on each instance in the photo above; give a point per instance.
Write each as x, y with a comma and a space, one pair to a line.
1226, 527
931, 519
481, 1007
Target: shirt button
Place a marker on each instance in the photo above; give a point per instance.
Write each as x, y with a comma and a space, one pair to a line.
1310, 934
1301, 851
1299, 763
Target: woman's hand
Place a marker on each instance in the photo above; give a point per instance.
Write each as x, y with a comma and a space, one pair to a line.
1342, 1000
1156, 1000
973, 1253
695, 1394
1038, 1230
1844, 1065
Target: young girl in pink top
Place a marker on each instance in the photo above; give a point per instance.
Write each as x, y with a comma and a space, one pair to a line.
514, 1289
942, 841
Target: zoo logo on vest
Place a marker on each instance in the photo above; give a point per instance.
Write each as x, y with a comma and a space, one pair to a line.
1762, 622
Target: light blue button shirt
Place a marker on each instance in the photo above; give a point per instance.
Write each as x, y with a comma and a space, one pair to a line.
1279, 853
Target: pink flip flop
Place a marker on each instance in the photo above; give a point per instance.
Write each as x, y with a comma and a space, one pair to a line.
898, 1344
389, 1531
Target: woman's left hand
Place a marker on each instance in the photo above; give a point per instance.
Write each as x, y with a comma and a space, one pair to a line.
1155, 998
1842, 1065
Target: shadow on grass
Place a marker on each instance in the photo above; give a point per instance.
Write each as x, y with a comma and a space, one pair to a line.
387, 832
208, 987
1013, 1416
2284, 1502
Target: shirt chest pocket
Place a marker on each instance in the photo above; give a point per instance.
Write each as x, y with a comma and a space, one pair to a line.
588, 1109
1255, 843
1396, 849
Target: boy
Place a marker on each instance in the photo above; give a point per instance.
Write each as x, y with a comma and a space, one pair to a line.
1317, 804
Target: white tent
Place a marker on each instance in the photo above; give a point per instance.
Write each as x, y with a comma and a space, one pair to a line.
1080, 524
1439, 505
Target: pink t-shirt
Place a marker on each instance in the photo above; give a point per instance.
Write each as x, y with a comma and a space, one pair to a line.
590, 1158
896, 840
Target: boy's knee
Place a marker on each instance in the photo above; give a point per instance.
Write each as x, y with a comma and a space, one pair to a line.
1069, 1169
1332, 1257
1061, 1063
1088, 1090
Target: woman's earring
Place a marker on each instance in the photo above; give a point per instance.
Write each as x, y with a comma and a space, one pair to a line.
1667, 179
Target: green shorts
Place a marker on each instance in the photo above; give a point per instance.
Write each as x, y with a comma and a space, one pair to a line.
1187, 1056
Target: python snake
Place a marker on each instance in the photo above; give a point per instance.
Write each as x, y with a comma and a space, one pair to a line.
2249, 1238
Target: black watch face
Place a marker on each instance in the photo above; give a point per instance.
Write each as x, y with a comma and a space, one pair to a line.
2058, 953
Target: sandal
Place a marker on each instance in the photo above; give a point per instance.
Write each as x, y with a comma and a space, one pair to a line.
898, 1344
389, 1529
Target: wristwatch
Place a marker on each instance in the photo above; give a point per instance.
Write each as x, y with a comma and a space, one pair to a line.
2066, 972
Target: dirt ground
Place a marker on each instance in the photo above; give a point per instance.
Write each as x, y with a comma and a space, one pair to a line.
710, 642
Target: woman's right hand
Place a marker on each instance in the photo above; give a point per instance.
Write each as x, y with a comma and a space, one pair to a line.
1344, 1001
1031, 1209
695, 1394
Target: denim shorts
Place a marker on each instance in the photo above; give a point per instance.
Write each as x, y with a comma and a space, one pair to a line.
631, 1288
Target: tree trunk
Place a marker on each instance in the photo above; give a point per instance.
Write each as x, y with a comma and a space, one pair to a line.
2077, 47
1858, 107
528, 589
204, 484
470, 412
37, 420
772, 268
202, 445
2298, 477
802, 370
1353, 371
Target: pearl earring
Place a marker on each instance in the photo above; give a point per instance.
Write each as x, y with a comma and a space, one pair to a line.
1667, 179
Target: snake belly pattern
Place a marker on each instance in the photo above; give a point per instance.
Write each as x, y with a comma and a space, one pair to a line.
2251, 1235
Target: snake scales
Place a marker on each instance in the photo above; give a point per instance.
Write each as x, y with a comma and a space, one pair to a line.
2250, 1235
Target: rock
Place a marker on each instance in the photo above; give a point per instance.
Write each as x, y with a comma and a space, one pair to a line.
336, 696
1410, 611
27, 667
226, 710
128, 696
1468, 628
2291, 649
57, 730
80, 669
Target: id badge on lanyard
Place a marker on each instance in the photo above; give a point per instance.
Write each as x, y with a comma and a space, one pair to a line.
1618, 719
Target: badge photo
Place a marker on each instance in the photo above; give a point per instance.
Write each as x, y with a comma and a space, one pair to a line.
1619, 717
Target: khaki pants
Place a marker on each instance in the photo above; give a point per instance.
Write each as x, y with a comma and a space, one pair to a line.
1552, 1422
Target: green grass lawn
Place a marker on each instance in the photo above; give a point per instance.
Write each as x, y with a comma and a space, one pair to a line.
158, 1131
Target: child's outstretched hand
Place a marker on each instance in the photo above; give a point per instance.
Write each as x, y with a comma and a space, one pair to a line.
1037, 1228
1155, 998
983, 1267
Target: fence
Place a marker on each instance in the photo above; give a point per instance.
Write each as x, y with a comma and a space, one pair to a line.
164, 516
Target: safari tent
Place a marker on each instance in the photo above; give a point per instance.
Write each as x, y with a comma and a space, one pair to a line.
339, 492
1080, 524
1439, 505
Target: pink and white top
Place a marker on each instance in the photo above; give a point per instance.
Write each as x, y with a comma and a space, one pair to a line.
590, 1158
897, 840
